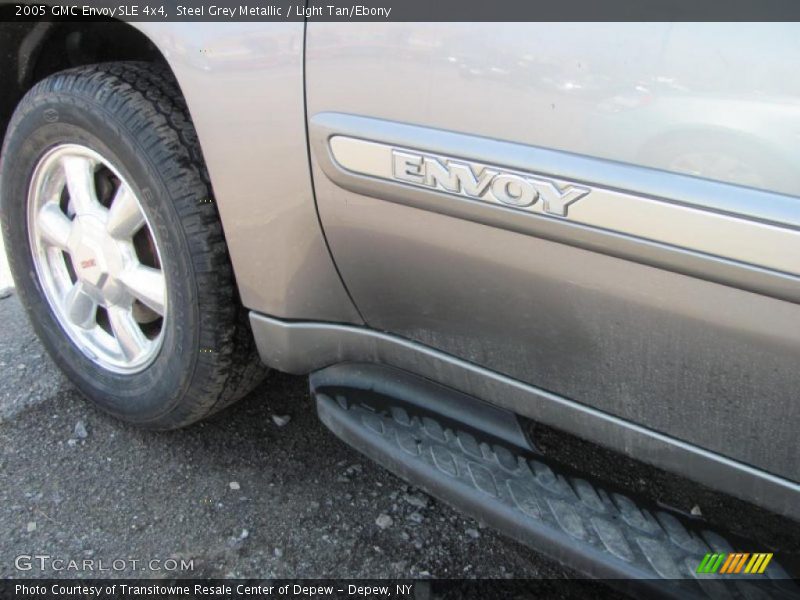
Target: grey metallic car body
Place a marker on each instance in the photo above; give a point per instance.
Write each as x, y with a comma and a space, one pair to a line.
680, 348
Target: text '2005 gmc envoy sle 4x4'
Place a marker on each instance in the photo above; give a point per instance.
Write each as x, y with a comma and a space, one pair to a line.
460, 231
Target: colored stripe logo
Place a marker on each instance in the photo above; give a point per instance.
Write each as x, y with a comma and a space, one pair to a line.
735, 562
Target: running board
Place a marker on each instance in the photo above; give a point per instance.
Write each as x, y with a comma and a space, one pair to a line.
476, 457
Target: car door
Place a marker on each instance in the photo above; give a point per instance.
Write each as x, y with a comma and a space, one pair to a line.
604, 211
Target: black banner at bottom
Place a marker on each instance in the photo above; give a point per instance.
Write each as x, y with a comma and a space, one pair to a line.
350, 589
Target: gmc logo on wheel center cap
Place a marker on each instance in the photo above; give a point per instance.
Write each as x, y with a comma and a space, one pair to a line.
87, 264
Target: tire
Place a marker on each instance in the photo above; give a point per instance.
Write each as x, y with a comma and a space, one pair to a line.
202, 356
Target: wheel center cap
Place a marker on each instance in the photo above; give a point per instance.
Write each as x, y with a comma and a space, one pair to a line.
95, 256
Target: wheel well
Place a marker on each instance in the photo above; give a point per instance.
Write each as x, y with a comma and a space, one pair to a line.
30, 51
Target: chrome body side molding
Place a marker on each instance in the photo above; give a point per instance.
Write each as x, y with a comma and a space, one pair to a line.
742, 237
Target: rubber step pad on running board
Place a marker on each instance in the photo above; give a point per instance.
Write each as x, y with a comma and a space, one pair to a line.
476, 457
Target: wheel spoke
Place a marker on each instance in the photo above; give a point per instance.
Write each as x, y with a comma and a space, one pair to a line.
147, 285
124, 217
79, 307
131, 340
54, 225
79, 172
